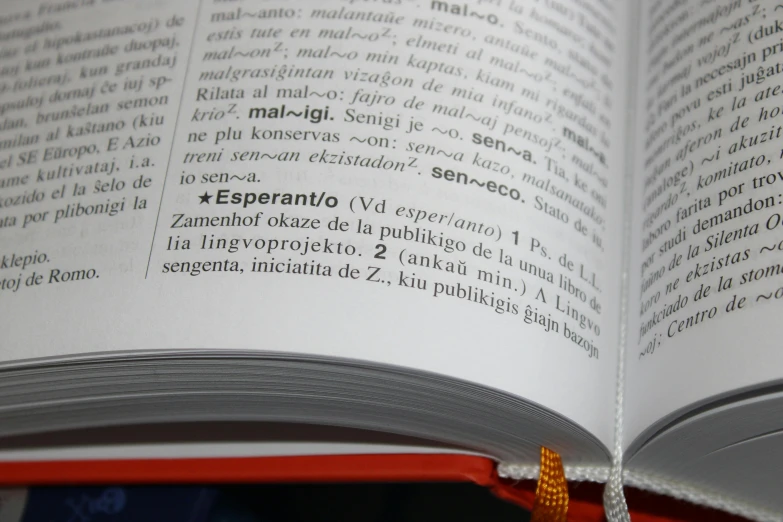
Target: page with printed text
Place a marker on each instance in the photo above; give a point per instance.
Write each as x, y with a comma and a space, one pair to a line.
706, 258
429, 184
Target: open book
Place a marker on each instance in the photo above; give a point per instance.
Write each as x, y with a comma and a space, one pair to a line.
442, 220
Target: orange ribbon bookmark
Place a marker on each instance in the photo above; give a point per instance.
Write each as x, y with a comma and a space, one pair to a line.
551, 504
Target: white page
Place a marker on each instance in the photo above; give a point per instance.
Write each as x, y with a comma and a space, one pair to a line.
480, 203
708, 196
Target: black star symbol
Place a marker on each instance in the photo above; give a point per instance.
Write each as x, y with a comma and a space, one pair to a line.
205, 198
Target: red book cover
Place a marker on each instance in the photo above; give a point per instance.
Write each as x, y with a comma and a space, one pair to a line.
584, 498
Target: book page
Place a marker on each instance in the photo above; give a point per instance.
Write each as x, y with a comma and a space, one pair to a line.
706, 274
435, 185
